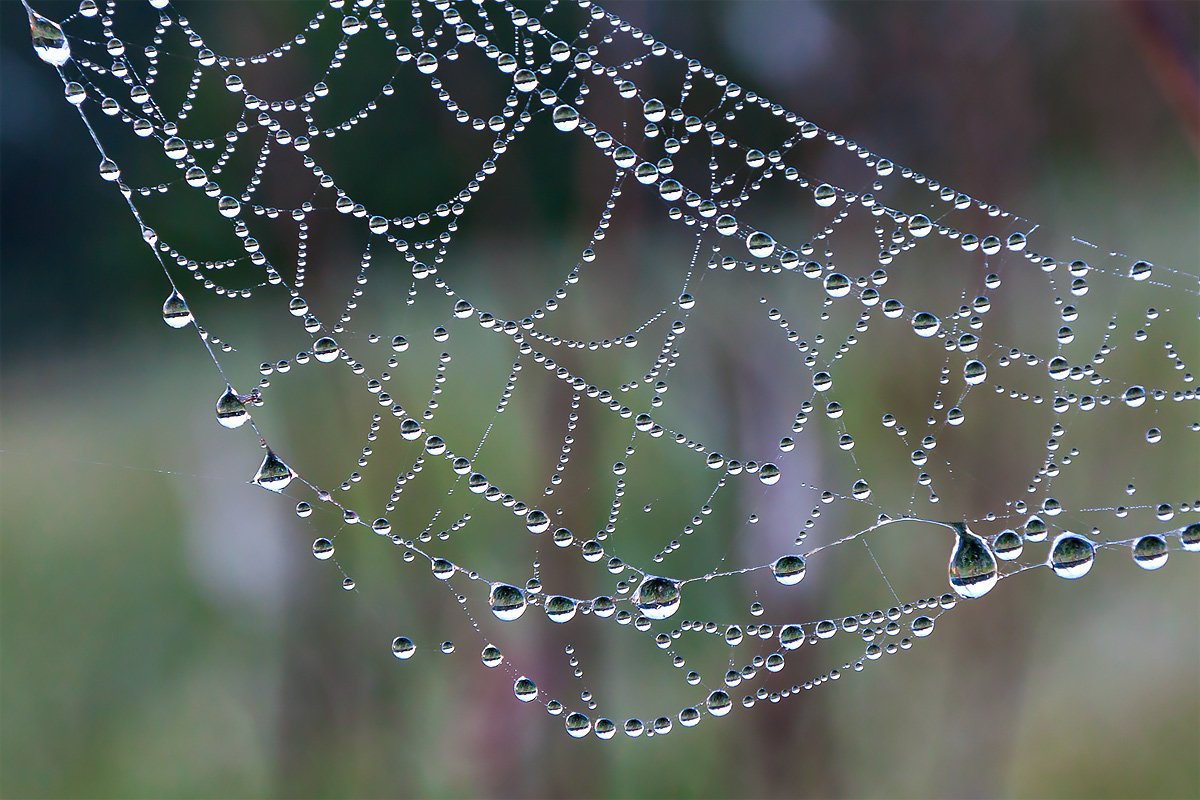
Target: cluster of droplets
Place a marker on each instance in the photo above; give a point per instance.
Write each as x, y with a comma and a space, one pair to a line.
554, 76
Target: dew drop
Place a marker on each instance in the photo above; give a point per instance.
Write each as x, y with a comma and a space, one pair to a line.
442, 569
273, 473
1134, 396
49, 42
1189, 537
507, 601
560, 609
919, 225
578, 725
837, 285
972, 565
825, 195
566, 118
491, 656
403, 647
1008, 545
175, 148
974, 372
175, 310
326, 350
525, 689
925, 324
768, 473
789, 570
1150, 552
537, 521
231, 411
760, 244
657, 598
322, 549
1071, 556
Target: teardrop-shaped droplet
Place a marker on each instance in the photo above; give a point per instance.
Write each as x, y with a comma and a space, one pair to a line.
972, 565
657, 598
175, 310
274, 474
1071, 556
507, 601
49, 41
231, 411
1150, 552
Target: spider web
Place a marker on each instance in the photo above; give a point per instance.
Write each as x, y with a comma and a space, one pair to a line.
791, 404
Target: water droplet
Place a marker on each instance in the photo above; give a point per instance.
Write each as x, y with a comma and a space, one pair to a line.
109, 170
326, 350
974, 372
175, 310
789, 570
657, 598
442, 569
175, 148
1150, 552
322, 549
49, 42
560, 609
525, 689
825, 195
922, 626
1134, 396
566, 118
403, 647
1008, 545
768, 473
837, 285
231, 411
578, 725
273, 473
1189, 537
972, 565
718, 703
919, 225
1071, 556
229, 207
507, 601
491, 656
537, 521
1140, 271
925, 324
760, 244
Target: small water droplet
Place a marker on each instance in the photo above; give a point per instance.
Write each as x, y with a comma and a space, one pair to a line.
1008, 545
972, 565
322, 549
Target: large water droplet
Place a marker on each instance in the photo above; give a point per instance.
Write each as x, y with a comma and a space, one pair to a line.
231, 411
657, 598
926, 324
175, 310
1071, 556
788, 570
507, 601
525, 689
1189, 537
49, 42
972, 565
274, 474
403, 647
560, 609
578, 725
1150, 552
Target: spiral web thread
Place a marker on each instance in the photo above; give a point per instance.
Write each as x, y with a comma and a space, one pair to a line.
912, 380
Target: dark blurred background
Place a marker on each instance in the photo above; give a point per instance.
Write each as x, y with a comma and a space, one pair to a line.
151, 647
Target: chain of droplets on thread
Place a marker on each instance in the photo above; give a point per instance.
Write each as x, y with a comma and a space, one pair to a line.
541, 66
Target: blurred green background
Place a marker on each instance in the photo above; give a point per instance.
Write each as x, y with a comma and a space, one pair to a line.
164, 631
